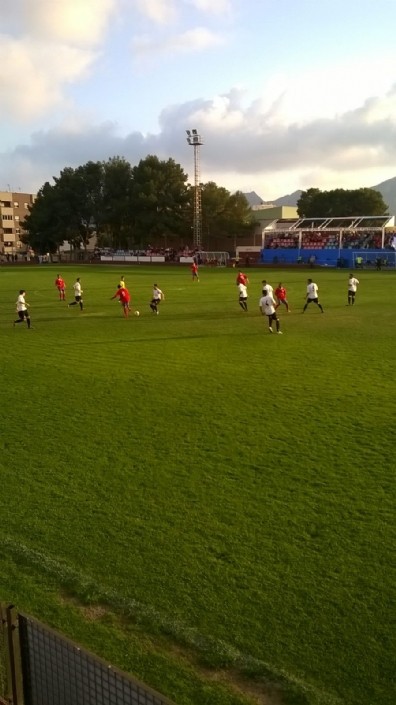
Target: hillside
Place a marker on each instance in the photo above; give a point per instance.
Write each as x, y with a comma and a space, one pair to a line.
386, 188
388, 191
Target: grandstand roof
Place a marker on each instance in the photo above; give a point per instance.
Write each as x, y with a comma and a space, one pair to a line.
365, 222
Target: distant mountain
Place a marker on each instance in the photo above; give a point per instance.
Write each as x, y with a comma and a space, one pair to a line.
290, 200
388, 191
253, 199
386, 188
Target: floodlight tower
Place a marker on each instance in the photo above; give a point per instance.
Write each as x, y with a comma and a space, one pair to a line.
195, 140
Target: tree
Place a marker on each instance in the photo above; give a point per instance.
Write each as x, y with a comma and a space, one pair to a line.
150, 203
80, 199
43, 224
159, 201
116, 213
224, 214
340, 202
306, 202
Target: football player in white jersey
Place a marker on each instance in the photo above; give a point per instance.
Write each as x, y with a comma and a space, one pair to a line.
312, 295
352, 288
267, 305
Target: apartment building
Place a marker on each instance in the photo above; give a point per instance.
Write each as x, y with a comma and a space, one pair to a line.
13, 209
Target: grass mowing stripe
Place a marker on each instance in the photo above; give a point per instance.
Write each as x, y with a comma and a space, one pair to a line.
209, 650
237, 482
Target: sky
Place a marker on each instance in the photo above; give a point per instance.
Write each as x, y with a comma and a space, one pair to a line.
285, 95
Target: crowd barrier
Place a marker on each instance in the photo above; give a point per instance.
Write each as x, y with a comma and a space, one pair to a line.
42, 667
137, 259
344, 257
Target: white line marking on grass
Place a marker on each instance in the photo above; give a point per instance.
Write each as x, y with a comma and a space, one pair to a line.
118, 603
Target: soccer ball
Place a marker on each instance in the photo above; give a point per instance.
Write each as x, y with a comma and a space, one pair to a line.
137, 313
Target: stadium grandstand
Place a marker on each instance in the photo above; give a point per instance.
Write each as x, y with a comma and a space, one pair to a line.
329, 241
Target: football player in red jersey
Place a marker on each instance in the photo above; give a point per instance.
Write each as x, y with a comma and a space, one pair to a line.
124, 296
281, 296
61, 286
242, 279
194, 272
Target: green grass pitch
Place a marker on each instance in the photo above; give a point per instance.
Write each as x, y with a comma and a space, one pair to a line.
201, 503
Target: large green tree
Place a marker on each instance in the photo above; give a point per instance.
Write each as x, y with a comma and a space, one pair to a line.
159, 201
43, 224
80, 197
150, 203
314, 203
224, 214
116, 213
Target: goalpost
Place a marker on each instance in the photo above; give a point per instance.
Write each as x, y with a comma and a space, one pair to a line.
368, 258
217, 259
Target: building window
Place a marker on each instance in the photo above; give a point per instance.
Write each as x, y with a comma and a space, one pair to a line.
16, 217
26, 205
7, 231
17, 231
16, 204
7, 217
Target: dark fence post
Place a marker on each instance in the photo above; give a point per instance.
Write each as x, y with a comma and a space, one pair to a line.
14, 652
6, 665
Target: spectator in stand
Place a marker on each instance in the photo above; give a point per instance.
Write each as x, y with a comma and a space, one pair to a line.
281, 296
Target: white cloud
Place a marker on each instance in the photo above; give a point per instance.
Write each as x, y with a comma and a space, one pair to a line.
190, 41
242, 146
46, 45
34, 73
159, 11
213, 7
327, 89
76, 22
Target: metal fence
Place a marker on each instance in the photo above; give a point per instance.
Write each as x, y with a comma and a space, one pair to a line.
42, 667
